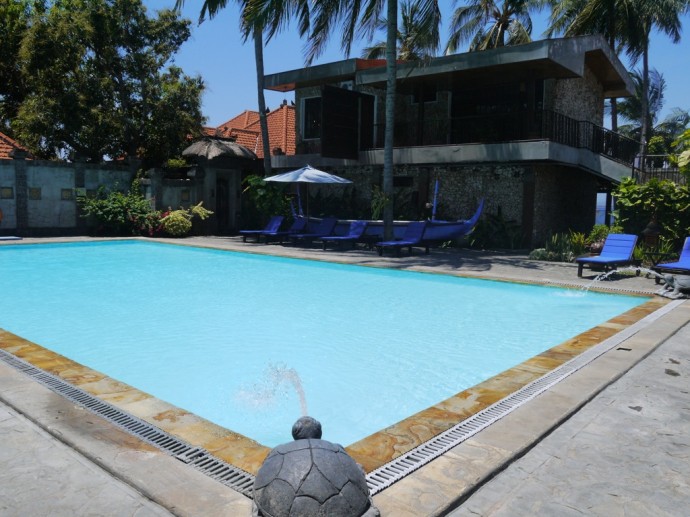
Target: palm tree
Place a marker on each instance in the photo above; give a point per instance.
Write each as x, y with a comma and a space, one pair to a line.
212, 8
416, 41
631, 107
663, 134
489, 25
362, 18
664, 16
614, 19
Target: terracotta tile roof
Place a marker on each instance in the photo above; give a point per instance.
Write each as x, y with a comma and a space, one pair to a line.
249, 139
7, 145
241, 121
246, 130
281, 129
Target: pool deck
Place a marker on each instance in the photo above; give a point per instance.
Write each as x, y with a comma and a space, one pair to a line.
610, 439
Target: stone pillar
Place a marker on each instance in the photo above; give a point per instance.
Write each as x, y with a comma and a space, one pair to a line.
21, 183
80, 222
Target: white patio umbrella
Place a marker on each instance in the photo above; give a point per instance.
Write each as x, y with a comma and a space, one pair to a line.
308, 174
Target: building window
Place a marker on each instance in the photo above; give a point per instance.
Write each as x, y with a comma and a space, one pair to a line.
35, 193
6, 193
66, 194
311, 120
185, 195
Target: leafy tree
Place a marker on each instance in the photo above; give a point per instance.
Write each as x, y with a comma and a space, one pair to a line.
95, 85
14, 22
682, 146
661, 201
417, 40
486, 24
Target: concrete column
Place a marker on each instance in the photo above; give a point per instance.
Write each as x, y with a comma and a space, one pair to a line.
80, 223
22, 193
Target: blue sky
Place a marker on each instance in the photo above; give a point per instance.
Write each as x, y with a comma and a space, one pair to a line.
217, 53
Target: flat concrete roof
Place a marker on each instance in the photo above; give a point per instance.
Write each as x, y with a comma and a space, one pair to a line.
550, 58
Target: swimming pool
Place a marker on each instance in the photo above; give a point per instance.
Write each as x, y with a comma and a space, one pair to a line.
210, 330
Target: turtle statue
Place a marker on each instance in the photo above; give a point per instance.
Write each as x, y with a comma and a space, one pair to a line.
676, 286
310, 477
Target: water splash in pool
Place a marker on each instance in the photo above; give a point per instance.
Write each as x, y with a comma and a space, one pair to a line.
272, 386
604, 276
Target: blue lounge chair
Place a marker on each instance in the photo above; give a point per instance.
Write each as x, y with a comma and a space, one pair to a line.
272, 226
412, 237
355, 233
617, 251
324, 228
298, 225
682, 265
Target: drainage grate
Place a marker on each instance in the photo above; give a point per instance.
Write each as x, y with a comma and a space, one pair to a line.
384, 476
600, 286
197, 457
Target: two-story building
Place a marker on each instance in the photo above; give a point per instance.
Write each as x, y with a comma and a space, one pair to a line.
520, 126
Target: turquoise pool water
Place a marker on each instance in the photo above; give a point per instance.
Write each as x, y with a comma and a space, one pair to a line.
214, 331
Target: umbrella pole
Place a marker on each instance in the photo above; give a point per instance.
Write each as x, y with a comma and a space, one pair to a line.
433, 209
299, 201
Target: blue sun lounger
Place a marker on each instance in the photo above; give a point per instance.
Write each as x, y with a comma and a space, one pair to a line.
355, 233
617, 251
682, 265
412, 237
324, 228
272, 226
298, 225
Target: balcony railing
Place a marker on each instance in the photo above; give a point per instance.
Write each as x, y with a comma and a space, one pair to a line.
520, 125
658, 166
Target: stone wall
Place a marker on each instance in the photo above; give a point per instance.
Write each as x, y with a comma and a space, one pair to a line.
580, 98
565, 199
38, 197
541, 199
460, 187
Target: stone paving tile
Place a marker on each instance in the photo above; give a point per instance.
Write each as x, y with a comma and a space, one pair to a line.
626, 453
41, 476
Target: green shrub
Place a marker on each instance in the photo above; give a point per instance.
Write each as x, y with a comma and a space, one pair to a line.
661, 201
178, 223
495, 231
595, 240
379, 200
260, 200
578, 243
118, 213
539, 254
561, 247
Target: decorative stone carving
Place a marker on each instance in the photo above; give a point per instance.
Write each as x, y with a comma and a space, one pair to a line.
677, 286
310, 477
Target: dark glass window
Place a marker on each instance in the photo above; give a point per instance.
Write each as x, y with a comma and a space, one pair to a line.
312, 118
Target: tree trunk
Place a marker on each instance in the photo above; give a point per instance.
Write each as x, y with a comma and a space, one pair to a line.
614, 115
612, 43
259, 58
644, 124
391, 71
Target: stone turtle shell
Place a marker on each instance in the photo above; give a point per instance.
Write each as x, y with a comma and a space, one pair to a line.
310, 477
